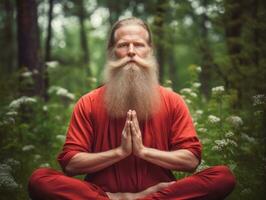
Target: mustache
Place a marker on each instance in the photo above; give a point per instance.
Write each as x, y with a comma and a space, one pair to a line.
145, 63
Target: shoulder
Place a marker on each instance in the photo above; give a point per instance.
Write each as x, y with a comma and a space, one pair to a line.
93, 97
170, 97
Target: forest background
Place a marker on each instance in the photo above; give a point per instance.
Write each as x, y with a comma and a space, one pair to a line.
212, 52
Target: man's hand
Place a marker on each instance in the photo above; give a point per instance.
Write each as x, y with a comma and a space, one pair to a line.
126, 138
138, 147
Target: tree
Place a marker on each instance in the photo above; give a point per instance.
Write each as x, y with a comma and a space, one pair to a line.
8, 36
28, 46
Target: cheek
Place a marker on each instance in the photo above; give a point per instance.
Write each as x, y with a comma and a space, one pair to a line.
119, 53
144, 53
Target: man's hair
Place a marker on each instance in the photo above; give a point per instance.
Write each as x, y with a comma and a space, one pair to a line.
128, 21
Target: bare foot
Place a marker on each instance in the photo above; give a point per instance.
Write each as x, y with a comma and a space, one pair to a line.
155, 188
133, 196
122, 196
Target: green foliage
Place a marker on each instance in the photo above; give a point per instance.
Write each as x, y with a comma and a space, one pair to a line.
229, 137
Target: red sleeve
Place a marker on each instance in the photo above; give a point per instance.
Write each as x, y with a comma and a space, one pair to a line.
79, 134
183, 133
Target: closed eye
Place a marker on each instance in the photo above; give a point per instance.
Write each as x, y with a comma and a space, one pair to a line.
124, 44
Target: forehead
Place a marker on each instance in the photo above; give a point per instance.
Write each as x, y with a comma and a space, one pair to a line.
131, 32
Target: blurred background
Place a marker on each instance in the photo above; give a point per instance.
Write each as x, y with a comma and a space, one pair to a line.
212, 52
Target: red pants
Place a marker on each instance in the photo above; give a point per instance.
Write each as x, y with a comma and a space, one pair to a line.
212, 183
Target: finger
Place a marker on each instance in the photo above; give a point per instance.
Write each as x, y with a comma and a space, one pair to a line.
127, 119
136, 133
128, 130
133, 129
135, 119
129, 115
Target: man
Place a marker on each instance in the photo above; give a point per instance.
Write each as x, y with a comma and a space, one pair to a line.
129, 134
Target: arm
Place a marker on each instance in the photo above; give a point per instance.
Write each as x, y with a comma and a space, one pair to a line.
84, 162
180, 160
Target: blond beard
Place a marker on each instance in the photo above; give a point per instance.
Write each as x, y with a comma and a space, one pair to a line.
132, 85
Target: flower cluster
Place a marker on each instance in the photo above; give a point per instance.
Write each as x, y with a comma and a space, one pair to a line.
28, 147
62, 92
213, 119
7, 181
52, 64
259, 99
218, 90
235, 121
221, 144
15, 104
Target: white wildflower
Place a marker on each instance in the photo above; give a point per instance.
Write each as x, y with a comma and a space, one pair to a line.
45, 108
168, 82
44, 165
188, 101
37, 157
22, 100
5, 168
199, 112
12, 113
213, 119
229, 134
61, 92
35, 71
221, 143
198, 69
7, 181
203, 165
216, 148
259, 99
52, 64
236, 121
12, 162
218, 90
26, 74
196, 85
193, 94
28, 147
246, 192
185, 91
232, 142
203, 130
248, 138
7, 121
62, 138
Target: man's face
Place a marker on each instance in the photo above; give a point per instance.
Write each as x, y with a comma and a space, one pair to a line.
131, 41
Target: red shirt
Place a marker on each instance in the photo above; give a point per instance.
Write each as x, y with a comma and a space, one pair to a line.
92, 130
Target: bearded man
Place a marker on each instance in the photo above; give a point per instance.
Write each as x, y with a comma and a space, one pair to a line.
129, 134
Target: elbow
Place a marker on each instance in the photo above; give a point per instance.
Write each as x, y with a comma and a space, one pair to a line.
70, 171
192, 165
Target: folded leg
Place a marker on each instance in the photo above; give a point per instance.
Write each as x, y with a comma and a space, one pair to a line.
214, 183
48, 184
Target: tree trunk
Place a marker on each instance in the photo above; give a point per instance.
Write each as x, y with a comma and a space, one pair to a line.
28, 46
7, 58
48, 49
49, 32
159, 37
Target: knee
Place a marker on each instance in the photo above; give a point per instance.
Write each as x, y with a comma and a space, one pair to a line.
224, 181
38, 179
38, 175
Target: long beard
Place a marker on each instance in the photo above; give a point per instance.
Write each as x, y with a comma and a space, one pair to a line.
132, 85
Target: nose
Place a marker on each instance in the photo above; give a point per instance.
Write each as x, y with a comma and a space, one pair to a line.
131, 51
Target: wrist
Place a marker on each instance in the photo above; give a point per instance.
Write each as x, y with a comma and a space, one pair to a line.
143, 152
121, 153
